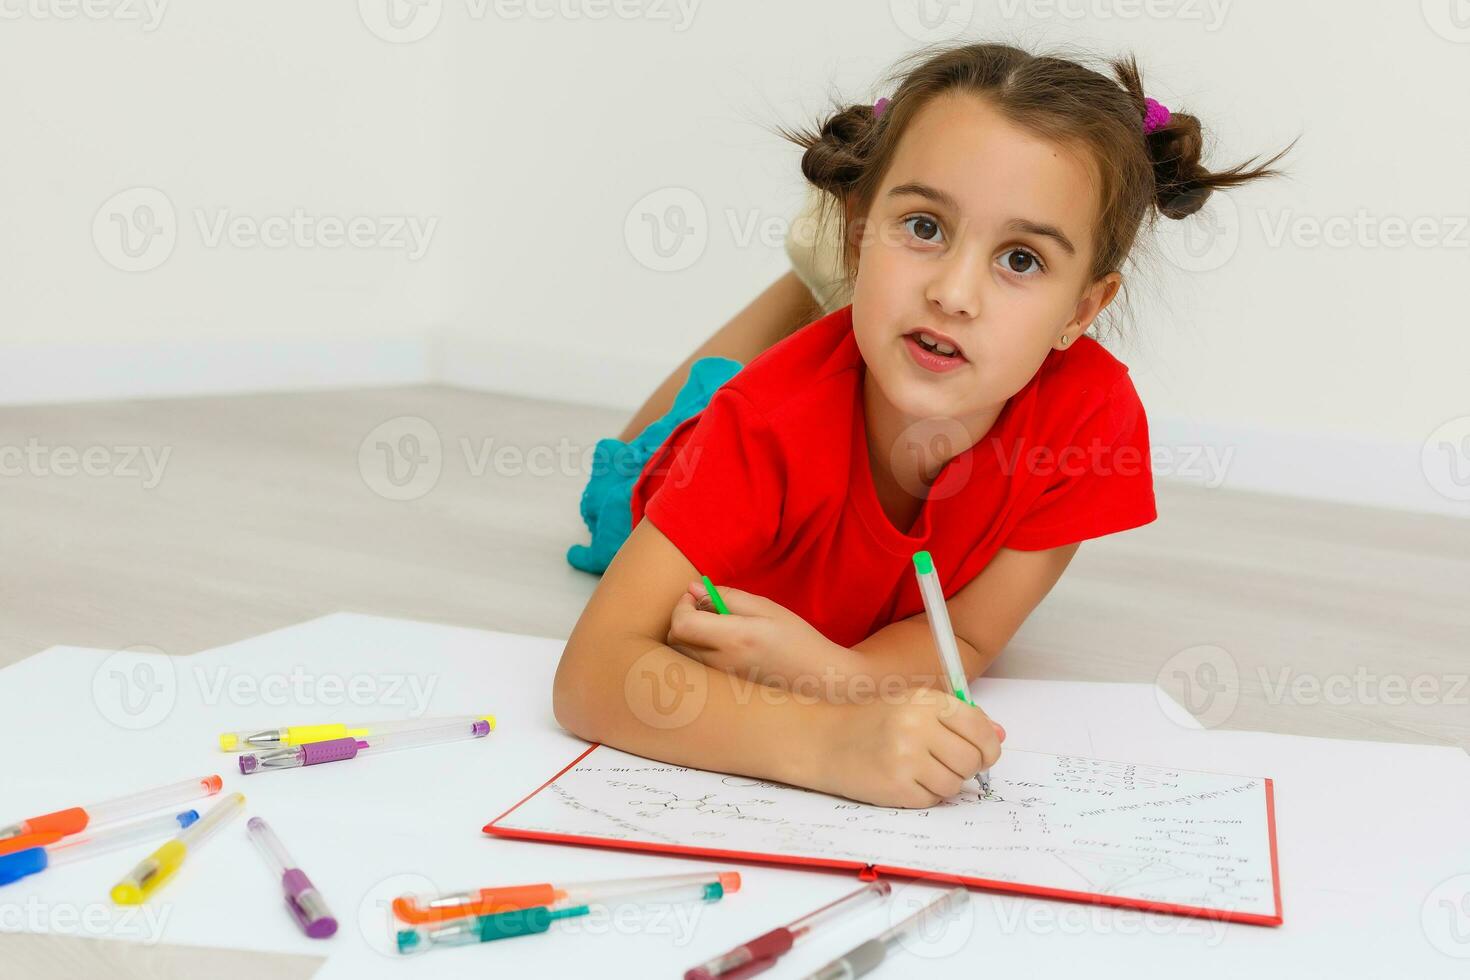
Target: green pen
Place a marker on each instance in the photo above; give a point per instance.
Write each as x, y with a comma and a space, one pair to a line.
714, 596
939, 625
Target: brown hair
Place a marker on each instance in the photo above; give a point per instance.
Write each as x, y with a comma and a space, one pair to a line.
1057, 98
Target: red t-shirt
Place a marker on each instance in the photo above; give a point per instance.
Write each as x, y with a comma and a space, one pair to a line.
769, 489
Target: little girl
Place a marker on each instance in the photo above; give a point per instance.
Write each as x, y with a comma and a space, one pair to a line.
954, 405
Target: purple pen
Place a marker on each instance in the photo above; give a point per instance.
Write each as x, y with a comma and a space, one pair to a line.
302, 898
342, 749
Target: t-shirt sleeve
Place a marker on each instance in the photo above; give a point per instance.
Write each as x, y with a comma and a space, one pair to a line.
1100, 484
720, 500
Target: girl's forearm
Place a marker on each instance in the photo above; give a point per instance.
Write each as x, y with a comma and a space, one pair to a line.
906, 649
644, 697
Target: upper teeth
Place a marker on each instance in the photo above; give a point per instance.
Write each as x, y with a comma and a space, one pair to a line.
936, 343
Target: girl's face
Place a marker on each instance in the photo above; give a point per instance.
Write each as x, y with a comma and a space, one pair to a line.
980, 234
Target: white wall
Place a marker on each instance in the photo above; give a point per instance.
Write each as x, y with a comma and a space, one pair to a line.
519, 144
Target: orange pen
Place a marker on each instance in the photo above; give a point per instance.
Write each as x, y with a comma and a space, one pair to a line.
51, 827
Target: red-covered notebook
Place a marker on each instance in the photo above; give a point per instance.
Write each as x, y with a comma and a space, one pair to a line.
1064, 827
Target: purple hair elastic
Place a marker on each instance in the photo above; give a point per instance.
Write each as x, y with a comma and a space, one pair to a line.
1155, 116
879, 106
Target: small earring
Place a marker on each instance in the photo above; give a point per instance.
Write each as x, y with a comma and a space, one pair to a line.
1064, 341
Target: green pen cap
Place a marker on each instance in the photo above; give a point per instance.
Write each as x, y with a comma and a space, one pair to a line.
924, 562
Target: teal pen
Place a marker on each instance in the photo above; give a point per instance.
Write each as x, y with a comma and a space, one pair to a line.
949, 650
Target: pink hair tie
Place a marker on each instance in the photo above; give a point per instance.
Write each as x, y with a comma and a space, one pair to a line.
879, 106
1155, 115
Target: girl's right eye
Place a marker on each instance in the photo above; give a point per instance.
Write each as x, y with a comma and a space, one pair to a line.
929, 225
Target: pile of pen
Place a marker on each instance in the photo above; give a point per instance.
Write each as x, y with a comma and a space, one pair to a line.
38, 843
482, 915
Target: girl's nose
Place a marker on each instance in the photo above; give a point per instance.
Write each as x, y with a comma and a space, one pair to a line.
955, 287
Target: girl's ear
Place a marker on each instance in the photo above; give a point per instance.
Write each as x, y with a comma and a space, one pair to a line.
1095, 299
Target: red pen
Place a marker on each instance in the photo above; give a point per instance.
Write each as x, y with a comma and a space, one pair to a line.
761, 953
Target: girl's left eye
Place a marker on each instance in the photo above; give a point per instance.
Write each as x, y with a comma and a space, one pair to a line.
1027, 262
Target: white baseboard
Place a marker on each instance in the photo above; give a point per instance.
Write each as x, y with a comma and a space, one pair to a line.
1311, 466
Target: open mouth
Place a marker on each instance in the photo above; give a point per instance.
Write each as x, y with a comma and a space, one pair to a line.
936, 344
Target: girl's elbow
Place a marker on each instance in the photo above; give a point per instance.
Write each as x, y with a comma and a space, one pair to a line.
573, 701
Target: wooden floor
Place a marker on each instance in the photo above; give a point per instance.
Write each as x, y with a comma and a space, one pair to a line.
1329, 619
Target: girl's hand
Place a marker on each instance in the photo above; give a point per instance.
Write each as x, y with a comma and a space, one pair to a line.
760, 639
911, 751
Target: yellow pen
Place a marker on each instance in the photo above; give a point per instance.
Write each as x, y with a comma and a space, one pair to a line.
289, 735
160, 866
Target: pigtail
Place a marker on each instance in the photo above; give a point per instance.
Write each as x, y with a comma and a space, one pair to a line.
1182, 183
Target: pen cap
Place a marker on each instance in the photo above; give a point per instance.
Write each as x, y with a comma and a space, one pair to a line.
307, 905
18, 865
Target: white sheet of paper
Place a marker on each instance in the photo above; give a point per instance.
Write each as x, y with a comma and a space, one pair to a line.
1067, 823
1368, 873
